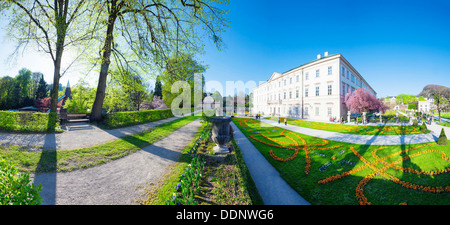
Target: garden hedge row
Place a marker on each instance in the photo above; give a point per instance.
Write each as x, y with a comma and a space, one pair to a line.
123, 119
27, 122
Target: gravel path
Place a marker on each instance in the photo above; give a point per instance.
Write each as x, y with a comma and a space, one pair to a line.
116, 182
77, 135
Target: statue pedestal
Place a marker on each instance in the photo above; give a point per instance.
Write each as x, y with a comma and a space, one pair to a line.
221, 149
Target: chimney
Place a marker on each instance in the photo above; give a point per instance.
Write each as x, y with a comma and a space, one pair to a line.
318, 56
325, 55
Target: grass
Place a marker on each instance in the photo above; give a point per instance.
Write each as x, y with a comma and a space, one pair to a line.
43, 160
445, 115
333, 173
354, 129
444, 124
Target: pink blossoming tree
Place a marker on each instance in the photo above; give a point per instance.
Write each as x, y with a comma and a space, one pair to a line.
157, 103
362, 101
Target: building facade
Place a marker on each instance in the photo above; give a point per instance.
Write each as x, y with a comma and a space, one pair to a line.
314, 91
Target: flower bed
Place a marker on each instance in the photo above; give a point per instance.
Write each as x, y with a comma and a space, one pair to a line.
190, 179
330, 172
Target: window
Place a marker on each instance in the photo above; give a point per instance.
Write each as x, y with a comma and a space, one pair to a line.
317, 111
348, 75
353, 78
330, 70
297, 93
317, 91
317, 73
279, 83
306, 92
290, 94
306, 110
329, 111
284, 82
297, 78
290, 80
343, 71
279, 96
330, 89
343, 88
284, 95
307, 76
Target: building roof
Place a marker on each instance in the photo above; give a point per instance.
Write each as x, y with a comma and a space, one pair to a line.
315, 60
322, 58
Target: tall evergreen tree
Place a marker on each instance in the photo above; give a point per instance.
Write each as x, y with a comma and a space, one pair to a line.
41, 91
158, 87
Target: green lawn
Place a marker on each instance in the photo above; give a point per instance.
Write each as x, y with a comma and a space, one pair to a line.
444, 124
44, 160
330, 172
355, 129
445, 115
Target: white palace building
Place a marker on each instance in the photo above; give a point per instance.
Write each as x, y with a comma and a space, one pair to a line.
313, 91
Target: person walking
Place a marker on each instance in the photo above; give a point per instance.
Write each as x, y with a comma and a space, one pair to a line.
278, 120
285, 121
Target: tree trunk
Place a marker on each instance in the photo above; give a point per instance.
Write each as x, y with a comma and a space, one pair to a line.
96, 114
61, 34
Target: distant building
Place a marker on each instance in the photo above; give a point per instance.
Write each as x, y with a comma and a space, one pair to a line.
425, 106
315, 90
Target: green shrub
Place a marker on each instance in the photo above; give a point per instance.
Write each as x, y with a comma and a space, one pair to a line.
123, 119
415, 123
15, 187
442, 138
423, 128
28, 122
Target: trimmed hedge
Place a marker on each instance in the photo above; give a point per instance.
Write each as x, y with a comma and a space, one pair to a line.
442, 138
27, 122
123, 119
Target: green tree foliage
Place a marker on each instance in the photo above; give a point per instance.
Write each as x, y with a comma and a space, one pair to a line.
125, 92
6, 93
82, 98
146, 33
15, 92
405, 99
181, 68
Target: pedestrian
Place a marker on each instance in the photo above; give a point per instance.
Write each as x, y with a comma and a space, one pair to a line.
278, 120
285, 121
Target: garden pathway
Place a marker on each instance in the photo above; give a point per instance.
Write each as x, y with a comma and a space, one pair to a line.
361, 139
116, 182
77, 135
273, 189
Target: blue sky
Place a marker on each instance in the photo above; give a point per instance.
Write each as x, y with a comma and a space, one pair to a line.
397, 46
